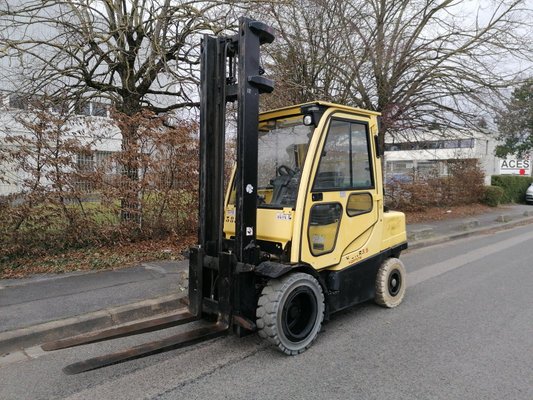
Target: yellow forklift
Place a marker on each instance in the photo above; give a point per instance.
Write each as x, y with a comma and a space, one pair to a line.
301, 232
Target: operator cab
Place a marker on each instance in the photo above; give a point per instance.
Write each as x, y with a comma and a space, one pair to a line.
317, 169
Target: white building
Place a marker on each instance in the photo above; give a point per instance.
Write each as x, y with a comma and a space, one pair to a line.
430, 151
89, 124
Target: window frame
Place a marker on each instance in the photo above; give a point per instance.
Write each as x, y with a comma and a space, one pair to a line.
360, 212
369, 155
336, 232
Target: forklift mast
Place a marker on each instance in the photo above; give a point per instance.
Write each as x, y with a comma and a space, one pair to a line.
230, 71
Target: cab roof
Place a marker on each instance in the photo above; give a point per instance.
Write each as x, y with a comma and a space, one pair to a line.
296, 110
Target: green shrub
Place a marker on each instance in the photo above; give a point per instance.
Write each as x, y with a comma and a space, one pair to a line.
493, 196
514, 187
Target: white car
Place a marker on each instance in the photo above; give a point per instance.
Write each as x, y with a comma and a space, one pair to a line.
529, 194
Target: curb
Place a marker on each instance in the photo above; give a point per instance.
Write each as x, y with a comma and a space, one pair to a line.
473, 232
42, 333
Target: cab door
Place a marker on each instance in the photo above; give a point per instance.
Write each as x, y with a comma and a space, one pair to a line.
341, 207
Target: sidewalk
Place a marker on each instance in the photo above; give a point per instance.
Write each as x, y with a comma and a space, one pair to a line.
45, 308
429, 233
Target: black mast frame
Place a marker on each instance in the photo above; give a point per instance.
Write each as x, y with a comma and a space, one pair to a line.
221, 278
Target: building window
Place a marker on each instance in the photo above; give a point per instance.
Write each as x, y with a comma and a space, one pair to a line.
431, 145
92, 108
466, 143
18, 102
426, 169
400, 167
99, 109
25, 102
89, 161
85, 162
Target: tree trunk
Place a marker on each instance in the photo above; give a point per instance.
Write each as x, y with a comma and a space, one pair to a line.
130, 204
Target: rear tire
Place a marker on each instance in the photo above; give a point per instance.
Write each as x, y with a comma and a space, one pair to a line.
290, 312
390, 283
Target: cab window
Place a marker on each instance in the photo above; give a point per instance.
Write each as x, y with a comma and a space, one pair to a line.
359, 203
282, 148
324, 222
345, 161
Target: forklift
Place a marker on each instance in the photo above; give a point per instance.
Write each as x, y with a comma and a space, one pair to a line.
301, 231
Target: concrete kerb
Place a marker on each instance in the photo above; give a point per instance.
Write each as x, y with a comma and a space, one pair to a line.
42, 333
468, 225
478, 231
421, 233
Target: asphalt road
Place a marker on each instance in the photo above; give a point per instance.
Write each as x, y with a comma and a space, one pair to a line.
464, 331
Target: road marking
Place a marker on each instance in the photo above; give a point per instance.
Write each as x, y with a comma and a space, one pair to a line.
431, 271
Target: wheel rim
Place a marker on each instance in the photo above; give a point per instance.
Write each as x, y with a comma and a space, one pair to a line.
299, 314
395, 282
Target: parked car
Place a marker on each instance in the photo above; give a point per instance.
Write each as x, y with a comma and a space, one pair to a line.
529, 194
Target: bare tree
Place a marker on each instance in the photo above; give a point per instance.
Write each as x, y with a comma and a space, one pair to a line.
135, 55
307, 46
442, 62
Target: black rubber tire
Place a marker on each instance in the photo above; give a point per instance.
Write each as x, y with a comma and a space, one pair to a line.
390, 283
290, 312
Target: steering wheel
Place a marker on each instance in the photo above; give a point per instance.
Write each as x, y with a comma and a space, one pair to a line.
284, 170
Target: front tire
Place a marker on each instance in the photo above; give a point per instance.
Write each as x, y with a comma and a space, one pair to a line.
290, 312
390, 283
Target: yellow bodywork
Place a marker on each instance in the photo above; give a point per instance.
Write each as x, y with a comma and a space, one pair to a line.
362, 230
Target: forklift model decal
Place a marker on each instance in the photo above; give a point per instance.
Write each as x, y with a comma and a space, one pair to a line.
281, 216
249, 189
249, 231
357, 255
230, 216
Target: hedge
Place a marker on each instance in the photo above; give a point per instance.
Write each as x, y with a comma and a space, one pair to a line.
514, 187
493, 196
